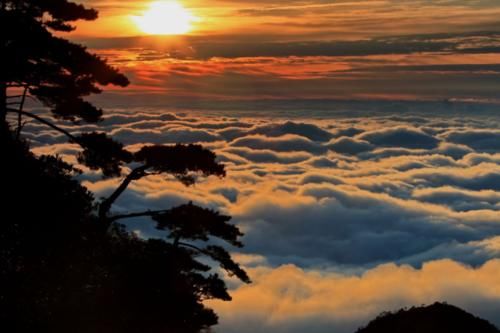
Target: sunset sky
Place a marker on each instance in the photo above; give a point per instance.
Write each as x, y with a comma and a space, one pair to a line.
361, 141
424, 50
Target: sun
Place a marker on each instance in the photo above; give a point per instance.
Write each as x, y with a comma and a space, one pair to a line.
165, 18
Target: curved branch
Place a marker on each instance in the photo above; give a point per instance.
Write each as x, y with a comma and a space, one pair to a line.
105, 206
193, 247
73, 138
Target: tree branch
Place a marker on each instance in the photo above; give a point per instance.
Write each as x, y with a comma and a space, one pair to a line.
73, 138
20, 115
105, 206
193, 247
139, 214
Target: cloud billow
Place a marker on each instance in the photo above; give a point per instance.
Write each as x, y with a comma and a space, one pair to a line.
332, 200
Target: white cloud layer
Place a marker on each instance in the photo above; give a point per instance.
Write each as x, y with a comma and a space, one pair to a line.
404, 200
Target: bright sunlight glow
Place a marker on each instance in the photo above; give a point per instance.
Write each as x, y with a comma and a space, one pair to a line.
165, 18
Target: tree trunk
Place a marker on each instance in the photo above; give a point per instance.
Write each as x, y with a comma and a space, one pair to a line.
3, 102
105, 206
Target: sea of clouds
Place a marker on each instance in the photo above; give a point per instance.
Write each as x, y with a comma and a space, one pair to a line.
345, 215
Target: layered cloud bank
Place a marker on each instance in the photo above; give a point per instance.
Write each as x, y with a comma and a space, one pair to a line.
288, 299
344, 216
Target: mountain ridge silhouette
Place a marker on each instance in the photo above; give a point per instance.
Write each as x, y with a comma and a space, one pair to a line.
435, 318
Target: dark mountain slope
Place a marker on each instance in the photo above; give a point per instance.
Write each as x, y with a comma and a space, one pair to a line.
436, 318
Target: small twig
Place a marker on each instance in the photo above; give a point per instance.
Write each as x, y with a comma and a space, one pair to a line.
194, 248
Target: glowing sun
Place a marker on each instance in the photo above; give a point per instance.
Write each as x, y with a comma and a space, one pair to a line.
165, 18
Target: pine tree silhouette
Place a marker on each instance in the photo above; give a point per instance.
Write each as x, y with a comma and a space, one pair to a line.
67, 264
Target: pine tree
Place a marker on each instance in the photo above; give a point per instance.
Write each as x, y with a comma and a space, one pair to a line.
55, 71
68, 264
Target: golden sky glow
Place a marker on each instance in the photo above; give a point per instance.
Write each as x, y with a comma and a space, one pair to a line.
315, 19
302, 49
165, 18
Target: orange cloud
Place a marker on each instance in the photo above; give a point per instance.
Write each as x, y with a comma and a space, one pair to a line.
290, 299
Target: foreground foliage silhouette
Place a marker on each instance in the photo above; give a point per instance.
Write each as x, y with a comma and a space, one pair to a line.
67, 264
436, 318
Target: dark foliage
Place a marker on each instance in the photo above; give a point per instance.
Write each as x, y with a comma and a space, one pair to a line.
66, 263
196, 223
184, 222
57, 72
104, 153
220, 255
181, 160
62, 273
436, 318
